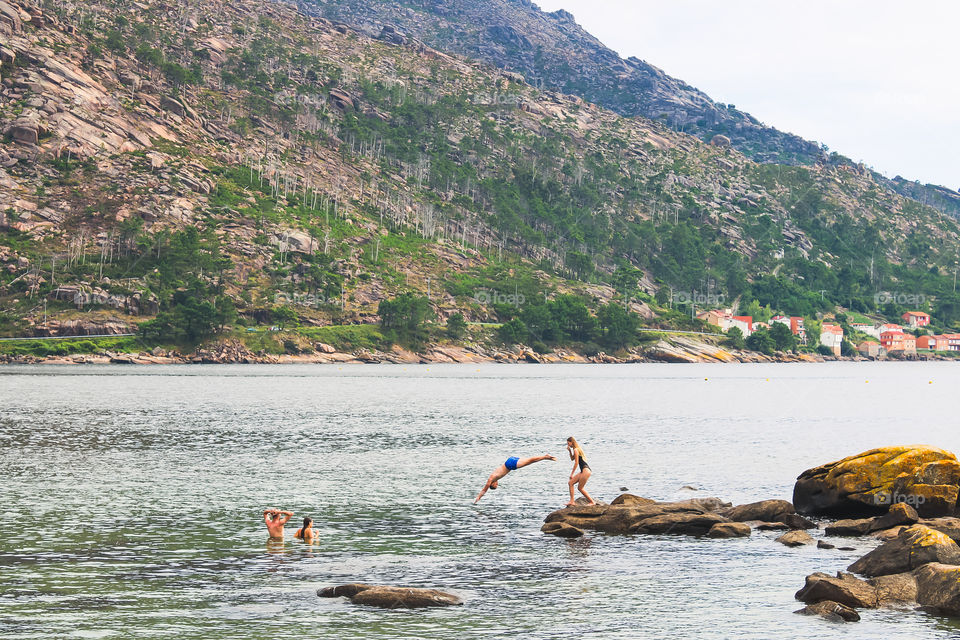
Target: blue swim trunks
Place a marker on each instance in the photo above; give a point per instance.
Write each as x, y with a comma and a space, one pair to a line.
511, 463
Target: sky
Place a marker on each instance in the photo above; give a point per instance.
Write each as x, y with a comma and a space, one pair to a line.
874, 80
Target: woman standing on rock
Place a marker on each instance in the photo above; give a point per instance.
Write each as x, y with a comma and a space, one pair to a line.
581, 470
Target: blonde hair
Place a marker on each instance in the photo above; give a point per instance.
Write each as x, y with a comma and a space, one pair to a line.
576, 447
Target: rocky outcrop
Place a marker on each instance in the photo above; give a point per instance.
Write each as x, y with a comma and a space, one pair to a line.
899, 515
25, 130
10, 21
677, 518
869, 483
851, 591
391, 597
913, 547
765, 510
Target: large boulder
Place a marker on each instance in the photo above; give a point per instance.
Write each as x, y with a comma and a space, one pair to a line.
869, 483
391, 597
850, 590
682, 518
938, 587
25, 130
689, 524
914, 547
899, 515
765, 510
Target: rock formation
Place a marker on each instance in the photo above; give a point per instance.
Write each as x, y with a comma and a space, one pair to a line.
869, 483
912, 548
391, 597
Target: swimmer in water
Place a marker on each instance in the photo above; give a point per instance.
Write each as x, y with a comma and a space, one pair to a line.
275, 519
306, 532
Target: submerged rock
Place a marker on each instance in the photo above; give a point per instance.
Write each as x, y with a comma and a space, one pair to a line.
391, 597
914, 547
871, 482
832, 611
561, 530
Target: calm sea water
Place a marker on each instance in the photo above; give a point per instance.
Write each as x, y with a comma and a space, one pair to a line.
131, 498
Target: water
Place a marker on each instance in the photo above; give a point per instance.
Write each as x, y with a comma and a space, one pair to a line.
132, 497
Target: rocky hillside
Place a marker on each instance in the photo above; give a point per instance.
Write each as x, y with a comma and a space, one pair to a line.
208, 164
553, 52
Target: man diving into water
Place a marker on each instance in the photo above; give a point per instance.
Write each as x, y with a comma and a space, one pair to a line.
512, 464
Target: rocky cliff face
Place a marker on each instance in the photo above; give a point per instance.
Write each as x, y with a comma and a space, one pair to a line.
552, 51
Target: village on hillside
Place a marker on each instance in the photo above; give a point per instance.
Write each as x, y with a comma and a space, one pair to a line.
874, 340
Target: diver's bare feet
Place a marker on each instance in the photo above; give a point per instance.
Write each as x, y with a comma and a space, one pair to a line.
550, 457
570, 504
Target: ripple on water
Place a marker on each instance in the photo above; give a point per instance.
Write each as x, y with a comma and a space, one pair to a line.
138, 497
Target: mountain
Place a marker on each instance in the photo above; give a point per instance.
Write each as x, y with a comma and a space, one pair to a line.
552, 51
193, 171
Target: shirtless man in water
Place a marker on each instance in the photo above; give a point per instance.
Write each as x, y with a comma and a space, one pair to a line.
275, 520
512, 464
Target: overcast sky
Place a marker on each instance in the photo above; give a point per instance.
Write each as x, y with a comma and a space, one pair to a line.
875, 80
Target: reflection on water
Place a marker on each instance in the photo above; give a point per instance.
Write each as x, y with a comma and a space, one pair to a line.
133, 498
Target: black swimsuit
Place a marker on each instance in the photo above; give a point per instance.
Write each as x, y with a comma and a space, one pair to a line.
583, 464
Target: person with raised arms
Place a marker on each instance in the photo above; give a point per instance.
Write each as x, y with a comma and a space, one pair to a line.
512, 464
275, 519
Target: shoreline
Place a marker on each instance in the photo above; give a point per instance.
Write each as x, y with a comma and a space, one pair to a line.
235, 353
